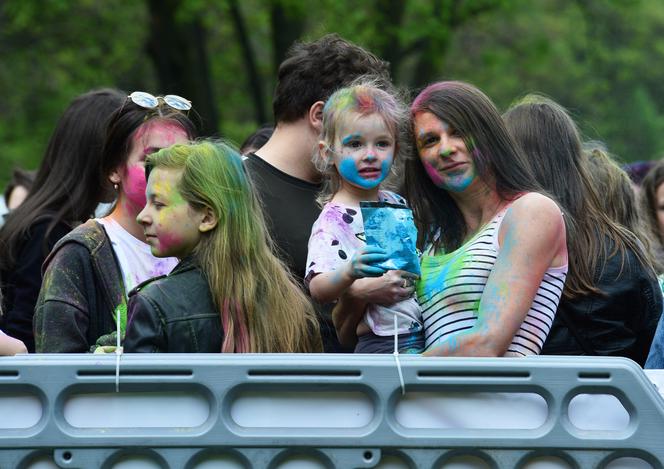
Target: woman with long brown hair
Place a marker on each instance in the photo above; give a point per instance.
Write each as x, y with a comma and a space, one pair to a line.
495, 256
612, 300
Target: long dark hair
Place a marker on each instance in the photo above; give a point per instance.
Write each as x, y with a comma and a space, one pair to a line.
68, 185
550, 138
497, 158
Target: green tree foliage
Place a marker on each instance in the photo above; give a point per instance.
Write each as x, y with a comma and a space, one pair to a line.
599, 58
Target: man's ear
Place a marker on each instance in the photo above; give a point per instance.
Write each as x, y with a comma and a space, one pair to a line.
209, 220
316, 115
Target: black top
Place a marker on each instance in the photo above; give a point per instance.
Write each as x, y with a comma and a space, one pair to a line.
174, 313
290, 209
621, 321
20, 287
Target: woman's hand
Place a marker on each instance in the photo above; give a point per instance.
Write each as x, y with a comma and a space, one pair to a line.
393, 286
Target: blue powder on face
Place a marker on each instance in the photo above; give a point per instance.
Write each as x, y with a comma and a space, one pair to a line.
348, 171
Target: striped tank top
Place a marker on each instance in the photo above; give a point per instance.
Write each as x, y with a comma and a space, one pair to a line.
451, 286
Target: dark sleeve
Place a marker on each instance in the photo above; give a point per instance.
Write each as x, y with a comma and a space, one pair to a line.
27, 281
145, 329
62, 313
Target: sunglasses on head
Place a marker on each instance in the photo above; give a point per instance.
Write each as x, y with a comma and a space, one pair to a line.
148, 101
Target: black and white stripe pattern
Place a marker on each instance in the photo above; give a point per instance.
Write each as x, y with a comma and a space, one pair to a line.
453, 285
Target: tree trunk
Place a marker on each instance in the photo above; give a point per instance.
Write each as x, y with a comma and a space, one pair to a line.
255, 80
178, 50
390, 16
287, 27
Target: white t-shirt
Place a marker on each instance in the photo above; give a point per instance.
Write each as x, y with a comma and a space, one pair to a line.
136, 261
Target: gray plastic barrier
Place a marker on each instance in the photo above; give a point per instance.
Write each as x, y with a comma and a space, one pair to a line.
327, 411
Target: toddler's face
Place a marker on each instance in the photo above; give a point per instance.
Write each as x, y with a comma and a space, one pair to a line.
170, 224
364, 150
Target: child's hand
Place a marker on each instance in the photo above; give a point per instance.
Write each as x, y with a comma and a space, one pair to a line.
363, 263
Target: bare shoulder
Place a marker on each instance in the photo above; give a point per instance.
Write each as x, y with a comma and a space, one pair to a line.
534, 204
535, 213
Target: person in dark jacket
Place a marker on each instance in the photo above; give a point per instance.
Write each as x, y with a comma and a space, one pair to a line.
67, 189
611, 302
230, 293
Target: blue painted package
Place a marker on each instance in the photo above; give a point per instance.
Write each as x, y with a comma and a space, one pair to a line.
391, 227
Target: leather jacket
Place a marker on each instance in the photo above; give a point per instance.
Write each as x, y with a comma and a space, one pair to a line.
621, 321
174, 313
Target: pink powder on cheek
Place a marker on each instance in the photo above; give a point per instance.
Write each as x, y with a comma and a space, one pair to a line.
433, 174
168, 241
133, 185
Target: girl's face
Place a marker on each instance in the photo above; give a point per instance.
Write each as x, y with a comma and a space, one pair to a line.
170, 224
148, 138
443, 153
363, 151
659, 200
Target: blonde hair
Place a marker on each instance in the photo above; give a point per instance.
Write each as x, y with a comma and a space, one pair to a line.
363, 98
262, 307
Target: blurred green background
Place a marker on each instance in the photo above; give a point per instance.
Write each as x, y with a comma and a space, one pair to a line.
602, 59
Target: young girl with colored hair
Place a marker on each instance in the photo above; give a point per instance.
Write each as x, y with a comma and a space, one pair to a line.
90, 272
359, 143
230, 292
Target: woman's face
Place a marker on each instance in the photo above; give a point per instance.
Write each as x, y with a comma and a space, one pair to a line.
443, 153
148, 138
659, 204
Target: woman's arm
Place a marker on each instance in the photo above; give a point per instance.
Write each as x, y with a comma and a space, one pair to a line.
384, 290
532, 239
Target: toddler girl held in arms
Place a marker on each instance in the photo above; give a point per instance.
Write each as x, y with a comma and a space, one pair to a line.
360, 139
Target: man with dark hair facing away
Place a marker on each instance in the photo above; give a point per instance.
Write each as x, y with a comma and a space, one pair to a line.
282, 169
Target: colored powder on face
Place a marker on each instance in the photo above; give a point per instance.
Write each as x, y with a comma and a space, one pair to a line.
348, 171
433, 174
134, 187
460, 182
170, 132
349, 138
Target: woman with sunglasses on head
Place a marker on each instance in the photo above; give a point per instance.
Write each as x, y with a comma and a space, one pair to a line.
66, 190
90, 272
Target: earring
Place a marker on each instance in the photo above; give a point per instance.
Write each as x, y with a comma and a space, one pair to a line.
115, 186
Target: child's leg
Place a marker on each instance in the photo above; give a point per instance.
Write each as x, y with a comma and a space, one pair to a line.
410, 342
